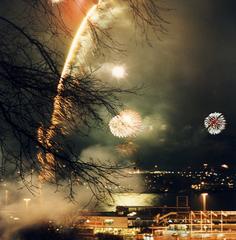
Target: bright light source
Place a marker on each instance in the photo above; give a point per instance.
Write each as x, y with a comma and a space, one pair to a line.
215, 123
127, 123
27, 200
57, 1
204, 197
118, 72
224, 166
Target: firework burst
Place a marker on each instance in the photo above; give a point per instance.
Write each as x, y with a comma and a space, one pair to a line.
83, 46
215, 123
127, 124
118, 72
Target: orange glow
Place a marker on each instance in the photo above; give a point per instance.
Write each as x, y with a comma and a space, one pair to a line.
81, 46
73, 11
48, 160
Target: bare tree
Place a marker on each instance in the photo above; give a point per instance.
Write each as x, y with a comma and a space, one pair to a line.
30, 71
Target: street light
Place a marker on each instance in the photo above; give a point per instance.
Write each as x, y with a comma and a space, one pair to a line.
6, 197
204, 195
27, 200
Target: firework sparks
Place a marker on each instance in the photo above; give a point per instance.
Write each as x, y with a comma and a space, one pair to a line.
127, 149
76, 63
127, 124
48, 160
118, 72
215, 123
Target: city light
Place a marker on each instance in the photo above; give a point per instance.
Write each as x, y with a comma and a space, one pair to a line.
225, 166
204, 195
26, 200
6, 197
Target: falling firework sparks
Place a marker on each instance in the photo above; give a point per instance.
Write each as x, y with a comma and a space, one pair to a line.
127, 124
82, 45
215, 123
127, 149
46, 159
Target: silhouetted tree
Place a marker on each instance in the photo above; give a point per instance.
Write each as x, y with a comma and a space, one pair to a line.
30, 70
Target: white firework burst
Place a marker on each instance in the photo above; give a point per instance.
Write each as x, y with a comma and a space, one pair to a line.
126, 124
215, 123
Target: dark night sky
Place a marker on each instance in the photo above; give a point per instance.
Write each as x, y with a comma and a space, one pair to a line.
187, 75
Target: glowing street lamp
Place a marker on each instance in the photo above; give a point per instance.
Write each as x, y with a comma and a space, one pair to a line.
204, 195
6, 197
26, 200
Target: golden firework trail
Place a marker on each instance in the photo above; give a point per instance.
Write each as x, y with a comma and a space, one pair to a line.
81, 46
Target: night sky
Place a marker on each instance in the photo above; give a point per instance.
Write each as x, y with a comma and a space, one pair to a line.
187, 74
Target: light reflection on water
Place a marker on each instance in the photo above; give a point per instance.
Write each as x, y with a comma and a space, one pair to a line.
215, 201
136, 199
